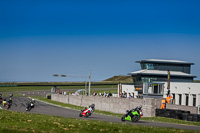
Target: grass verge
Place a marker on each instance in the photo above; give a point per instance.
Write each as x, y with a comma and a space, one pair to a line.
32, 88
153, 119
25, 122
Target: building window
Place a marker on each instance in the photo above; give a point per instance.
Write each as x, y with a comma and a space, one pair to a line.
194, 100
173, 100
173, 95
149, 66
180, 99
186, 99
153, 88
143, 66
161, 88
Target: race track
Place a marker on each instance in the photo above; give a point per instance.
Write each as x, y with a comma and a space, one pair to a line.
19, 104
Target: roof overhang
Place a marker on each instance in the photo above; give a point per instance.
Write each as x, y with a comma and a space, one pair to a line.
159, 61
161, 73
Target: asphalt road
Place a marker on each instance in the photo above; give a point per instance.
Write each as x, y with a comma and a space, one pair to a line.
19, 104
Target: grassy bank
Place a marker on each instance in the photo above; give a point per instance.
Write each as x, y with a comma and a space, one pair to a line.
156, 119
24, 122
32, 88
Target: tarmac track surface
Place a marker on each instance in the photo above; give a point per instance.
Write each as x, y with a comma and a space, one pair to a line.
19, 104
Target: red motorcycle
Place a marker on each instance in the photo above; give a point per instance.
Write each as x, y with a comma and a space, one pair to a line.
87, 111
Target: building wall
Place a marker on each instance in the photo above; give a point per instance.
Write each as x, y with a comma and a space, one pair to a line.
111, 104
129, 89
179, 90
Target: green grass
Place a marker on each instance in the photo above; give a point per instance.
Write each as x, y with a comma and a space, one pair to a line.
122, 79
34, 123
156, 119
31, 88
170, 120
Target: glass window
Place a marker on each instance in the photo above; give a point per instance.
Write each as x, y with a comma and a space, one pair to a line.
149, 66
194, 100
180, 99
143, 66
161, 88
186, 99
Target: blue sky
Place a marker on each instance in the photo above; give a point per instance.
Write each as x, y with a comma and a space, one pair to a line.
40, 38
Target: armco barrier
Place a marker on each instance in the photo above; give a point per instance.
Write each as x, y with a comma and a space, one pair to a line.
111, 104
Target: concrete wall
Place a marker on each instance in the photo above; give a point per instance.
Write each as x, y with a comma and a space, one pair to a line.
111, 104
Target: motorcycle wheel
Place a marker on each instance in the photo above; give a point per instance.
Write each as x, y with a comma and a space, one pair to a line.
28, 108
86, 115
135, 118
80, 115
123, 118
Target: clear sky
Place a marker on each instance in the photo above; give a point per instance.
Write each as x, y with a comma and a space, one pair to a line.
39, 38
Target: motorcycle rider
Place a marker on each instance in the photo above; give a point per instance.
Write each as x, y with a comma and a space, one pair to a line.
4, 102
10, 99
32, 101
134, 109
90, 108
9, 103
30, 104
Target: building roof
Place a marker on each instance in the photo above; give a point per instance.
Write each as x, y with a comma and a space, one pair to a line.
161, 73
164, 61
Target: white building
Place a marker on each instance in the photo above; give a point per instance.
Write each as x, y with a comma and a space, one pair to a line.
152, 81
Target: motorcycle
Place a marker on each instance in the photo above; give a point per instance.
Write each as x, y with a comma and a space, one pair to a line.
87, 111
29, 106
133, 115
8, 104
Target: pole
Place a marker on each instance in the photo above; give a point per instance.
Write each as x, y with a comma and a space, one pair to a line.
89, 83
168, 83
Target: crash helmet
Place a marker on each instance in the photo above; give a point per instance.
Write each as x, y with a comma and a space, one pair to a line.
139, 107
93, 105
33, 100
